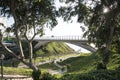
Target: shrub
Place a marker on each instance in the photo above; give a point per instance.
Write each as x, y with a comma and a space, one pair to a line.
84, 77
36, 75
66, 77
96, 75
47, 76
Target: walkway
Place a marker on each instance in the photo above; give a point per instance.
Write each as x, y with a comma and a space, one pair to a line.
16, 77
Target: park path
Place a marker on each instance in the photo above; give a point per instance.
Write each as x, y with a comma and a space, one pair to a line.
20, 77
16, 77
55, 63
49, 61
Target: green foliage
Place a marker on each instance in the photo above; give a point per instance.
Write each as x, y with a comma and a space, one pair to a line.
48, 66
14, 71
101, 66
30, 17
102, 27
114, 62
54, 48
96, 75
81, 64
81, 68
47, 76
66, 77
36, 75
79, 9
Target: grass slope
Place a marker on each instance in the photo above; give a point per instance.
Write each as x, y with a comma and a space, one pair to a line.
80, 64
85, 63
51, 49
54, 48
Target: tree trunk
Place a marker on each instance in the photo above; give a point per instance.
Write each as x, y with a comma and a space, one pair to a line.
107, 49
19, 44
30, 52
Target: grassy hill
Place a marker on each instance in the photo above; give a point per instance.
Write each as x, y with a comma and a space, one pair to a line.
86, 68
85, 63
81, 67
54, 48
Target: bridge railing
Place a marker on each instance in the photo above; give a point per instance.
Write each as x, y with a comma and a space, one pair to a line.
62, 38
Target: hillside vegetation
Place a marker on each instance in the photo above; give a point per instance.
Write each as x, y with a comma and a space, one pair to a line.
81, 67
84, 67
54, 48
50, 50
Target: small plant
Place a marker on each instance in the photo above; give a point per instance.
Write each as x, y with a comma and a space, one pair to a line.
36, 75
68, 66
101, 66
47, 76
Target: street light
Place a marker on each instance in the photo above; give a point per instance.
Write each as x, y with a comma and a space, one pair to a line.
1, 58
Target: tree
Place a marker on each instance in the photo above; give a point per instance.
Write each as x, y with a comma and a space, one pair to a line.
103, 20
29, 16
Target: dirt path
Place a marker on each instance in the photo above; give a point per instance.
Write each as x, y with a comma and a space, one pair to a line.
16, 77
49, 61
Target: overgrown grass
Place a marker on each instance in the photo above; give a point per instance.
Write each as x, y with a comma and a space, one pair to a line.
54, 48
94, 75
85, 63
51, 65
16, 71
48, 66
114, 62
81, 64
78, 64
82, 67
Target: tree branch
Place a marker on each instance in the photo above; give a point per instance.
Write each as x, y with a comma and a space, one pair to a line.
34, 34
8, 50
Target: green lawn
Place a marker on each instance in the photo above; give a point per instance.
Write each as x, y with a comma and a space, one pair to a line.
81, 64
84, 63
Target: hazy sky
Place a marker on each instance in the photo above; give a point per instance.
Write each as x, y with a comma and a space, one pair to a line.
65, 29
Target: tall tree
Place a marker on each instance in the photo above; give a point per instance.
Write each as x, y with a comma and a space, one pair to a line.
29, 16
102, 17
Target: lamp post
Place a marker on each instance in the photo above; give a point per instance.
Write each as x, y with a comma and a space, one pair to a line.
1, 58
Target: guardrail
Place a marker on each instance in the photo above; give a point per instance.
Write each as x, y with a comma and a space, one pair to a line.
61, 38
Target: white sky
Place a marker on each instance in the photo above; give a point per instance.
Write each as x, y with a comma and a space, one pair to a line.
4, 21
65, 29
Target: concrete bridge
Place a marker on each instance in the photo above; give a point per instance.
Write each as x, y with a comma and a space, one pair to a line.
76, 40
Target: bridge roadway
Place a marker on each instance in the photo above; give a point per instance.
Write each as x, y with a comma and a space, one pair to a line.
76, 40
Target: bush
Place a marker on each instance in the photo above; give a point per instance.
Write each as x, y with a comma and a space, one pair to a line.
84, 77
47, 76
96, 75
36, 75
66, 77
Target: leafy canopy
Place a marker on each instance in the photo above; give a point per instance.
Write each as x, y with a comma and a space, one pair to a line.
29, 14
102, 17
